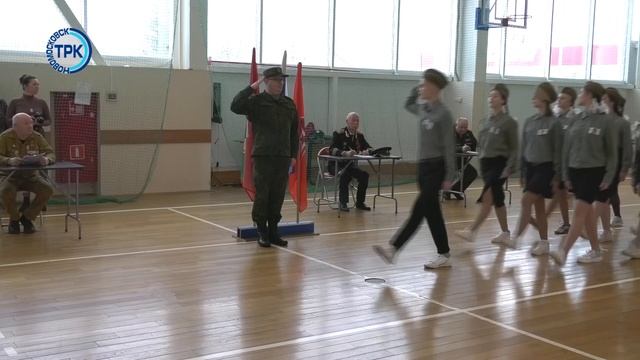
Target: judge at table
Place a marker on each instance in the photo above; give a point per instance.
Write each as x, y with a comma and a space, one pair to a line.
349, 142
20, 145
465, 141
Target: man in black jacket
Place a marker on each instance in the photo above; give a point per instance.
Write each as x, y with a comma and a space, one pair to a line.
465, 141
349, 142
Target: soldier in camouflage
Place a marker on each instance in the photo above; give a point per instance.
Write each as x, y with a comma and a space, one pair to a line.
275, 127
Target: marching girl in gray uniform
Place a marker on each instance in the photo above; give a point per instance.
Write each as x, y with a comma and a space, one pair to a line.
436, 169
564, 113
615, 104
498, 152
588, 166
541, 144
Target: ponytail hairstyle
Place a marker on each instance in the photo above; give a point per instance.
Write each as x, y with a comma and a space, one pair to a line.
25, 79
617, 101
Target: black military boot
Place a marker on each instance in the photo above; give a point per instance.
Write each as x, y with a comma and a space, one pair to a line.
27, 225
273, 235
14, 227
263, 235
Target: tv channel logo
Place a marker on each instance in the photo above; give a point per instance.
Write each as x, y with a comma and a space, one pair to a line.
68, 50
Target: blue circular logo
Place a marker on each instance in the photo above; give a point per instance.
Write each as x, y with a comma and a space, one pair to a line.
68, 50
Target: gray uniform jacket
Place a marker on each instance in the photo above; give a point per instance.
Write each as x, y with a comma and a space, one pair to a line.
591, 141
565, 120
624, 142
436, 138
498, 136
542, 141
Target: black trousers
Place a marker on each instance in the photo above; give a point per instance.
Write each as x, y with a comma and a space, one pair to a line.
363, 182
270, 177
470, 174
431, 174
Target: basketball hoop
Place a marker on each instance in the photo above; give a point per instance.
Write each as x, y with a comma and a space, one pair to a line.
502, 13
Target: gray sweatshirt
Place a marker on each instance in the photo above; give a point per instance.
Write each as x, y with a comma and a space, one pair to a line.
624, 142
565, 120
591, 141
436, 138
498, 136
542, 141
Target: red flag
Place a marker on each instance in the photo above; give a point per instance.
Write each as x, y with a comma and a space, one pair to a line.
298, 178
247, 170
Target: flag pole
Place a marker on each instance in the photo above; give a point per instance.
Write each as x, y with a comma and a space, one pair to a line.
299, 179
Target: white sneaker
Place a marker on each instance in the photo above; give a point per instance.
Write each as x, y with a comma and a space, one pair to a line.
590, 256
502, 238
559, 256
466, 234
605, 236
617, 222
512, 242
540, 248
440, 261
632, 251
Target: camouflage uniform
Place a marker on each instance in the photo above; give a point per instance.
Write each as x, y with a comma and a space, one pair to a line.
32, 181
275, 129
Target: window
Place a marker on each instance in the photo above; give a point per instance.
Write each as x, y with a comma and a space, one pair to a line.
494, 50
587, 40
635, 19
427, 35
336, 33
117, 28
123, 28
364, 39
527, 50
570, 39
34, 27
233, 29
303, 28
610, 40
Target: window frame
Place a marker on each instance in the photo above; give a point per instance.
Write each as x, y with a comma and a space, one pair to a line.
624, 83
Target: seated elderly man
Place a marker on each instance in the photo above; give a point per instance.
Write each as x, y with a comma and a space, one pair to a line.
20, 145
347, 142
465, 141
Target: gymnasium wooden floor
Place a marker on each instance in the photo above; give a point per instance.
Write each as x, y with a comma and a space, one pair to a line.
164, 278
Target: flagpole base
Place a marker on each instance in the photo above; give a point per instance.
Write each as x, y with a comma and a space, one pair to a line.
250, 232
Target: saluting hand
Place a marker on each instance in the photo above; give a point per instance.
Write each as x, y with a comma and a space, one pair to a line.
256, 84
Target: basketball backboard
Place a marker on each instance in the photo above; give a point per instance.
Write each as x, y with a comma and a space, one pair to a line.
501, 13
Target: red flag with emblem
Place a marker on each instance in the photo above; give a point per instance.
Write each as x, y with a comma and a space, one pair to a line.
298, 178
247, 169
